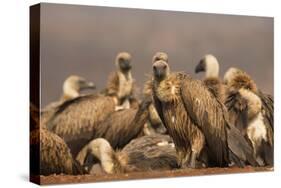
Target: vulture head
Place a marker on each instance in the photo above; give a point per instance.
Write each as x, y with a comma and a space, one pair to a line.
74, 84
236, 79
160, 70
160, 56
123, 61
101, 149
208, 64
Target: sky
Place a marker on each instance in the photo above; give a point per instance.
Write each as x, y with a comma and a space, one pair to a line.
84, 40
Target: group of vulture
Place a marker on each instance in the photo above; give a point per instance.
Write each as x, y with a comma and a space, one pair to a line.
177, 122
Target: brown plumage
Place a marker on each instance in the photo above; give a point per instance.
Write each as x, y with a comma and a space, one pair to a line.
72, 88
49, 153
253, 111
120, 127
121, 83
75, 120
160, 56
142, 154
210, 65
194, 118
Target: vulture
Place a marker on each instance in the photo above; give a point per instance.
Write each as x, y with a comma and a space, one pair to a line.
76, 119
251, 111
147, 153
196, 121
72, 87
49, 153
121, 83
210, 65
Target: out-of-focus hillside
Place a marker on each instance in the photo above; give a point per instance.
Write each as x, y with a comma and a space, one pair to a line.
84, 40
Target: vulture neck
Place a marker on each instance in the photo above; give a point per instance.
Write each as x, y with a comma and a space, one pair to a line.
106, 159
212, 69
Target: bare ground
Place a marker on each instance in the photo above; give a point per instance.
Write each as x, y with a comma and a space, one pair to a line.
64, 179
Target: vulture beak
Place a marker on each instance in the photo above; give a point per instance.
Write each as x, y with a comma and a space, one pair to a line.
88, 85
201, 67
159, 71
125, 65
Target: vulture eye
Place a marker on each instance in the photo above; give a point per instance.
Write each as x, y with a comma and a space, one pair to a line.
165, 66
154, 67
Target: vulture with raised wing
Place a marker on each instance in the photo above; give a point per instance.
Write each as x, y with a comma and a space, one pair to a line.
194, 118
146, 153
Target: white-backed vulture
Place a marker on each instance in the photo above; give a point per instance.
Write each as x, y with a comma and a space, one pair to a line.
210, 65
121, 83
146, 153
193, 117
76, 119
252, 112
72, 87
49, 153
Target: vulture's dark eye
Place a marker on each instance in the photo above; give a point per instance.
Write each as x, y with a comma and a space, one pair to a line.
165, 66
154, 67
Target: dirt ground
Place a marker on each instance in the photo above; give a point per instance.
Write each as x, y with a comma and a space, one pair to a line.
64, 179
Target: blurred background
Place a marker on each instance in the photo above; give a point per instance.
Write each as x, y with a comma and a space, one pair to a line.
84, 40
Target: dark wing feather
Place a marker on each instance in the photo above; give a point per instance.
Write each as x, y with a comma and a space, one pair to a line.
76, 119
55, 156
207, 113
145, 153
122, 126
267, 108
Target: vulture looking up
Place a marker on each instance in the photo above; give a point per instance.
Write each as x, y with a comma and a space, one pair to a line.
195, 119
210, 65
146, 153
121, 83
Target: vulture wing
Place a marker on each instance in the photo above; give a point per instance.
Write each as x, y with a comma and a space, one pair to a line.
267, 108
76, 119
208, 114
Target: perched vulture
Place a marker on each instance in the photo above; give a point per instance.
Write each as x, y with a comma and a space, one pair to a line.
252, 112
49, 153
76, 119
209, 64
121, 83
146, 153
195, 119
236, 79
72, 87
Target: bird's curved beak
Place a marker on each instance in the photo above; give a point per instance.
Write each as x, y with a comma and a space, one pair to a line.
125, 65
89, 85
201, 67
159, 72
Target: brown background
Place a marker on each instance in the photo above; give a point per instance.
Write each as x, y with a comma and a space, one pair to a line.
84, 40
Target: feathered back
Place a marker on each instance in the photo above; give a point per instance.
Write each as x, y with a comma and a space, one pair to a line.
76, 119
155, 152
